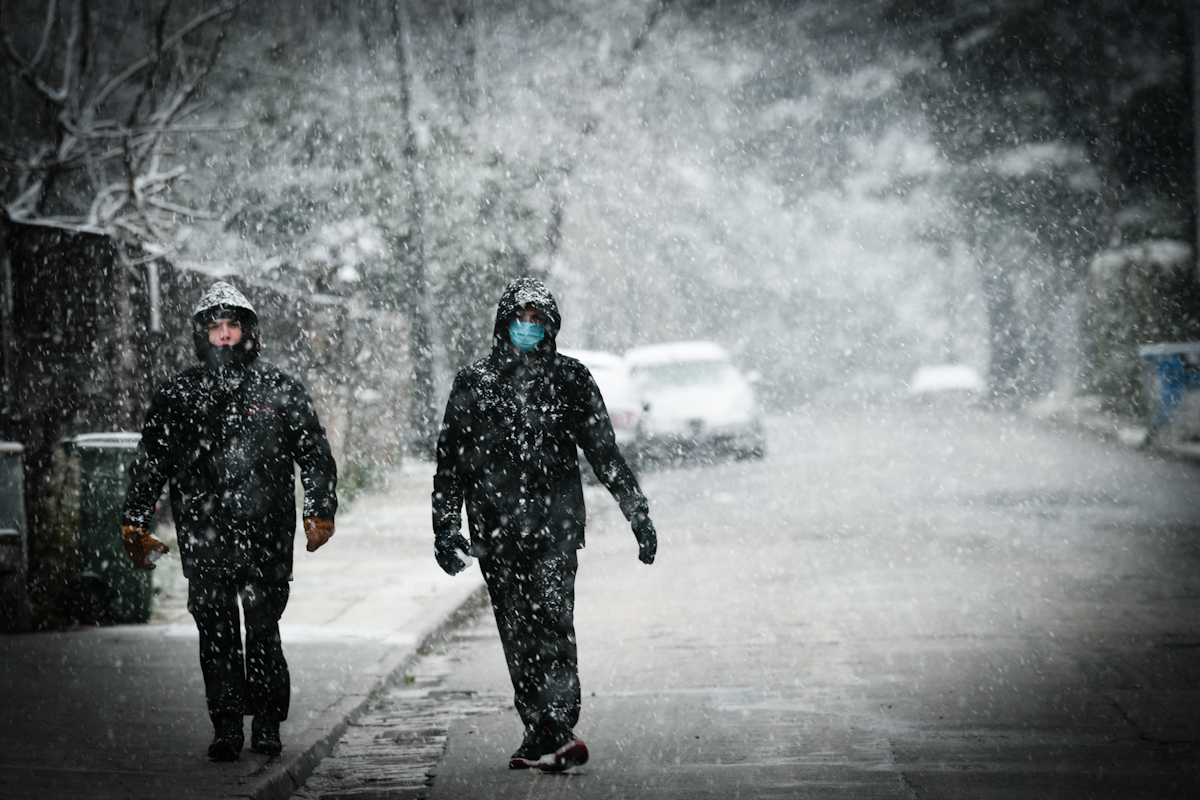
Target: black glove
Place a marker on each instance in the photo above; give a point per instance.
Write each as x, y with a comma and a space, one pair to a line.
445, 548
647, 539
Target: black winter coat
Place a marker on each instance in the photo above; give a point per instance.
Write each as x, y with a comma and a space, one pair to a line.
507, 447
508, 450
226, 442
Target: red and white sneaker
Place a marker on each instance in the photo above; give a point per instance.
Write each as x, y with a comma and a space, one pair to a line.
529, 753
572, 754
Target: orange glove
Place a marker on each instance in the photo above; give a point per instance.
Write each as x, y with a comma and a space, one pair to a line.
140, 544
318, 531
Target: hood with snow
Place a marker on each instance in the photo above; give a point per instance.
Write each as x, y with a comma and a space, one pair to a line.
224, 301
517, 295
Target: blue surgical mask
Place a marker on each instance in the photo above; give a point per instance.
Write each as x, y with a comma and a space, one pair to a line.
525, 335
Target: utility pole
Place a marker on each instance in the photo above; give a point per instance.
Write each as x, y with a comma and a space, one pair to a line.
422, 430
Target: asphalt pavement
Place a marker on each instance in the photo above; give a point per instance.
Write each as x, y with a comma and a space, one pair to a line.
119, 711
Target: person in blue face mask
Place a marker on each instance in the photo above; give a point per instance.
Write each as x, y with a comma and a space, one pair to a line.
528, 331
508, 450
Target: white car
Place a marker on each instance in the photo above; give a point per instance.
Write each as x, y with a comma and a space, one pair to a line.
941, 384
694, 399
620, 398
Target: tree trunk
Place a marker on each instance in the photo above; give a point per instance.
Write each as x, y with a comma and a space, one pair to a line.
423, 431
1194, 19
6, 331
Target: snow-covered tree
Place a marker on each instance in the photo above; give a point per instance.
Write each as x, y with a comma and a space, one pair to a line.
104, 93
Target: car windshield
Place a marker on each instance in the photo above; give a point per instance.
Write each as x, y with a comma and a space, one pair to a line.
681, 373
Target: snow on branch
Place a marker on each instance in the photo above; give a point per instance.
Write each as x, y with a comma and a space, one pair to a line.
103, 146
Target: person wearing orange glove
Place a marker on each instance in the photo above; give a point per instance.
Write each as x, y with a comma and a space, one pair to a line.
225, 437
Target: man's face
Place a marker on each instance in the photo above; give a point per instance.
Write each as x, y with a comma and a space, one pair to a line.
224, 332
531, 314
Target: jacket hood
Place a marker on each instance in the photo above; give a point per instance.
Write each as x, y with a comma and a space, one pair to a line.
223, 300
224, 296
518, 294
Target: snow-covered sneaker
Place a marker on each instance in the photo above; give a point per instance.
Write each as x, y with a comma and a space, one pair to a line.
529, 752
572, 754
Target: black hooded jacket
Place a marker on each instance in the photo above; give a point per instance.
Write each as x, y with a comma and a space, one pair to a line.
225, 438
507, 447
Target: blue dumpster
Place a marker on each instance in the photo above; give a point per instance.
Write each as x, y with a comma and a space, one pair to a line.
1172, 374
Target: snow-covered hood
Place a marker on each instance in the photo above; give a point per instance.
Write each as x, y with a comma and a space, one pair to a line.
518, 294
223, 300
225, 296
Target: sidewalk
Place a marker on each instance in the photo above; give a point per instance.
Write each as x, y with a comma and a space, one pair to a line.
119, 712
1085, 412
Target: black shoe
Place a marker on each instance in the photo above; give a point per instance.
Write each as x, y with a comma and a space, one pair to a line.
532, 748
227, 743
264, 737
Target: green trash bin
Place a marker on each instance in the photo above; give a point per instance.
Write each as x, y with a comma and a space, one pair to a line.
121, 591
14, 549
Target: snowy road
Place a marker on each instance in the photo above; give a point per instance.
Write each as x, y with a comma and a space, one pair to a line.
893, 604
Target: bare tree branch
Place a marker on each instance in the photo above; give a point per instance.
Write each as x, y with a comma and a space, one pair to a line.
153, 59
182, 210
225, 9
69, 59
44, 44
27, 71
176, 107
130, 201
85, 50
116, 41
657, 9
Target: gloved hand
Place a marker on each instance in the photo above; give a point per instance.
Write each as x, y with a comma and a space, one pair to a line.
647, 538
446, 547
317, 531
140, 544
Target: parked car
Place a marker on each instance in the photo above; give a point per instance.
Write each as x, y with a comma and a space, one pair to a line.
946, 384
694, 400
620, 398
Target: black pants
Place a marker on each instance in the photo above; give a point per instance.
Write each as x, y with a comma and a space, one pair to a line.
534, 601
259, 683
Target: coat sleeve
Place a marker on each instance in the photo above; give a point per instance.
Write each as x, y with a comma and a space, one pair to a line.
150, 468
310, 449
599, 444
448, 480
